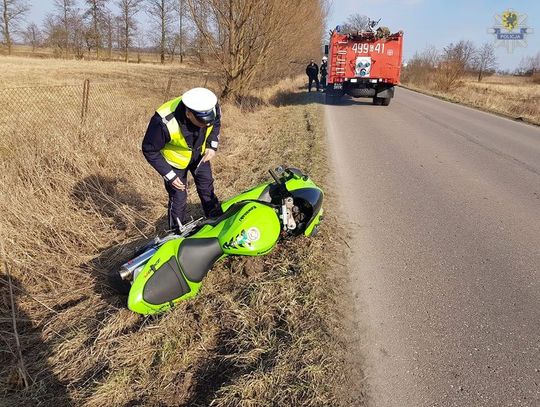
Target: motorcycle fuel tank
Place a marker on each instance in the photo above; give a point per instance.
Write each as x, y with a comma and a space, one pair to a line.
252, 231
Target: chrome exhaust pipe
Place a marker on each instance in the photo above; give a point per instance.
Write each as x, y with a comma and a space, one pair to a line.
127, 270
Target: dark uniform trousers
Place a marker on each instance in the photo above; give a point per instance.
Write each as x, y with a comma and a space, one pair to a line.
311, 80
205, 189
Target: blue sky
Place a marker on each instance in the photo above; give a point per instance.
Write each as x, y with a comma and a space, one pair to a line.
439, 22
424, 22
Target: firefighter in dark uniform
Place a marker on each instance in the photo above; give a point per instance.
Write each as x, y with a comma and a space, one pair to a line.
324, 71
183, 137
312, 71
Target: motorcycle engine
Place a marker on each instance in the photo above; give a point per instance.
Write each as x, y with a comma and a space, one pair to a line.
287, 214
297, 214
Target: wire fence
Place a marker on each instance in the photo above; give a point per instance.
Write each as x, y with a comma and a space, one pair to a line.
67, 109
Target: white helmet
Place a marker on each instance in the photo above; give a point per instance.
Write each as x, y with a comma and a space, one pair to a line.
325, 58
201, 102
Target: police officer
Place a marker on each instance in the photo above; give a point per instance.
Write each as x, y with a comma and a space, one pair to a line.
183, 137
312, 71
324, 71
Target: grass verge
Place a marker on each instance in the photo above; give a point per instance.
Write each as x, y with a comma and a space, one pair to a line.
263, 331
514, 98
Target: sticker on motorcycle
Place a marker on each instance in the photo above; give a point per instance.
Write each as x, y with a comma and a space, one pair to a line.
243, 239
253, 234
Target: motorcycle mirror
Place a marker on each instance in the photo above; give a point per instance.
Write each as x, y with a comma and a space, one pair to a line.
273, 174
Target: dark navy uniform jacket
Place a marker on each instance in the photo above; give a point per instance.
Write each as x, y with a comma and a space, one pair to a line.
157, 136
312, 70
324, 69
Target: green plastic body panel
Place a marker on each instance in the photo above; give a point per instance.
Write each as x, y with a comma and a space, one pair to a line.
252, 231
250, 194
312, 227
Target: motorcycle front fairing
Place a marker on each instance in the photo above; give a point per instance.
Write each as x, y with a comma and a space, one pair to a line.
175, 272
294, 183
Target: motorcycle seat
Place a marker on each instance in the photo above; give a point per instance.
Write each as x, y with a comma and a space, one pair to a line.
196, 257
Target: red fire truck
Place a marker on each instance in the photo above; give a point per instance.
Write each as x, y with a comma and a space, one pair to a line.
364, 64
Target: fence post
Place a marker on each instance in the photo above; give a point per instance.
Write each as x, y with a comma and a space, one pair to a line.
86, 92
168, 90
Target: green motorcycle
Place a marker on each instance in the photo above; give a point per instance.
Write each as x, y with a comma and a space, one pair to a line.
171, 269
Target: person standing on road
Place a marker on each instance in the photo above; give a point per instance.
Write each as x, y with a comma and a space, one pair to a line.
182, 137
324, 72
312, 71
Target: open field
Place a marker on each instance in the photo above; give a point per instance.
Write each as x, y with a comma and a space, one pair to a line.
17, 72
25, 51
515, 97
78, 198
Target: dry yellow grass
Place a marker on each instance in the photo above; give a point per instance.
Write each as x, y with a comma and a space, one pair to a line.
511, 96
26, 51
17, 71
76, 200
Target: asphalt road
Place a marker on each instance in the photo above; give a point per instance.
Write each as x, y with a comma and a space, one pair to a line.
442, 203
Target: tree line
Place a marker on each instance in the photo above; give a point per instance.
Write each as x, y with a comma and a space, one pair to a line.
80, 27
445, 68
248, 41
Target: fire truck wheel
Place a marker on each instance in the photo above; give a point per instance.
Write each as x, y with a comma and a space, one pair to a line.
381, 101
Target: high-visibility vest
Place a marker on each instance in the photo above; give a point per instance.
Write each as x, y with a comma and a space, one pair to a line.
177, 152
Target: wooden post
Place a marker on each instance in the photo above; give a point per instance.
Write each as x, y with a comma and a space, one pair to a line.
86, 92
168, 90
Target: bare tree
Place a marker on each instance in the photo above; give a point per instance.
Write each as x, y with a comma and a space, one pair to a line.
176, 40
95, 12
461, 53
355, 22
181, 37
54, 35
128, 10
529, 65
485, 59
242, 35
78, 33
140, 39
65, 10
200, 14
455, 59
161, 12
108, 26
428, 58
13, 13
421, 67
32, 35
172, 44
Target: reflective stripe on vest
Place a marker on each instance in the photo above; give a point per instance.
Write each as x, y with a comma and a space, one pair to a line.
177, 152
